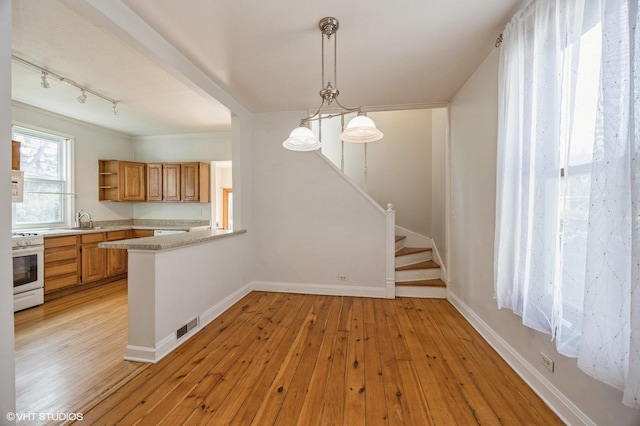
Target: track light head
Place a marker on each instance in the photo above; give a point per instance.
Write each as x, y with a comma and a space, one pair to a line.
83, 97
44, 82
114, 108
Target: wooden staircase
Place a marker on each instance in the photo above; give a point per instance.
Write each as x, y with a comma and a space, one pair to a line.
417, 274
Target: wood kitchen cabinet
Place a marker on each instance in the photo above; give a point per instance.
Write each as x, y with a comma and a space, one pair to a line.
186, 182
141, 233
163, 182
195, 182
61, 260
93, 259
72, 260
116, 263
154, 182
121, 180
15, 155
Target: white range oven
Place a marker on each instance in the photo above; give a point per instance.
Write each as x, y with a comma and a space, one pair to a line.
28, 270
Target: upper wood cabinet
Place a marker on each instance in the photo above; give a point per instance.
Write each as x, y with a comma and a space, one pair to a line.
186, 182
15, 155
195, 182
154, 182
132, 181
121, 180
171, 182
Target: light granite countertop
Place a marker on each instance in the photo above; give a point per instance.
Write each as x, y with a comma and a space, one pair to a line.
106, 226
171, 241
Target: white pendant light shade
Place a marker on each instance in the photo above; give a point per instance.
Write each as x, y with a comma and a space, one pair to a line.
302, 139
361, 129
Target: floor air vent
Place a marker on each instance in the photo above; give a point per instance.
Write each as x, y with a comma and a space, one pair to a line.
187, 327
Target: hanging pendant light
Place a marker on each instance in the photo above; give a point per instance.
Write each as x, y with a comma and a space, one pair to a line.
361, 129
302, 139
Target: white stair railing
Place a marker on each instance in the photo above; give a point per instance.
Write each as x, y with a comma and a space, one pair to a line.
390, 256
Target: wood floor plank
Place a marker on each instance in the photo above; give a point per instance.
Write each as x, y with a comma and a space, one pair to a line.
506, 391
311, 411
299, 385
375, 403
156, 382
355, 384
64, 343
278, 358
334, 401
390, 370
209, 371
445, 402
225, 400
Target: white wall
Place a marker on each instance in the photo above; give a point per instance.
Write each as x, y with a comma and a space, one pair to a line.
311, 225
169, 148
399, 165
91, 143
473, 172
439, 181
7, 361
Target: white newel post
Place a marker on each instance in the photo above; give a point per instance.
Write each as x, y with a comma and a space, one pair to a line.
390, 292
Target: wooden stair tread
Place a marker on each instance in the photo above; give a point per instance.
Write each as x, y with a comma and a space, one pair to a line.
429, 264
400, 237
422, 283
411, 250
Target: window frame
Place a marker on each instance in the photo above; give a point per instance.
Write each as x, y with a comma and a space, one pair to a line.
65, 179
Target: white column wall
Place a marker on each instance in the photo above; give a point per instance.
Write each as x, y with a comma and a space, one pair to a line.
7, 356
474, 120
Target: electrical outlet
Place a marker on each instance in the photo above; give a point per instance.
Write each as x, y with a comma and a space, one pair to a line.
546, 361
343, 277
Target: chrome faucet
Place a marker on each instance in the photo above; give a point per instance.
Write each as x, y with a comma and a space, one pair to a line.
81, 214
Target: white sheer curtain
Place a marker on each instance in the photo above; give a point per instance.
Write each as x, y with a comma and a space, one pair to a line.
567, 244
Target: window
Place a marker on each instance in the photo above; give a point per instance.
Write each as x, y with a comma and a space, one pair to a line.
568, 182
46, 162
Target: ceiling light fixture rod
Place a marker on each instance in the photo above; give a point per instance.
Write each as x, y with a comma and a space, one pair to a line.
361, 129
46, 73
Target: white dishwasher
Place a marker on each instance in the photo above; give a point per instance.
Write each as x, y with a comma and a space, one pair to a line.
158, 232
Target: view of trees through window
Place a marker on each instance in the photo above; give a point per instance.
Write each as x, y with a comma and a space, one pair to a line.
44, 160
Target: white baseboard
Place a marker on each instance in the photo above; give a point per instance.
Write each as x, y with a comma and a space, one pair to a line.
168, 343
320, 289
559, 403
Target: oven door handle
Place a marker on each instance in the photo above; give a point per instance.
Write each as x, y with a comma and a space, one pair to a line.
17, 252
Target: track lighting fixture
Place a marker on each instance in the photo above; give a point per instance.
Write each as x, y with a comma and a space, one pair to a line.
361, 129
83, 97
44, 82
83, 90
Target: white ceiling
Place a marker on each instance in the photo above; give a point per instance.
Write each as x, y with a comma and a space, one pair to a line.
265, 54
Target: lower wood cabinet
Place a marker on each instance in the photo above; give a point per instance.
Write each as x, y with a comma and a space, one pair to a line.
76, 259
116, 258
93, 258
61, 260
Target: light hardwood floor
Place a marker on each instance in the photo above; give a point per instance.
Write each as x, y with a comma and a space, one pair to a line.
298, 359
69, 351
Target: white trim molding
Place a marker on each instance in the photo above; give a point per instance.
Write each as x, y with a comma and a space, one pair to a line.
320, 289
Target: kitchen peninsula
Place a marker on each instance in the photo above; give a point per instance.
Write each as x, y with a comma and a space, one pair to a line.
177, 284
